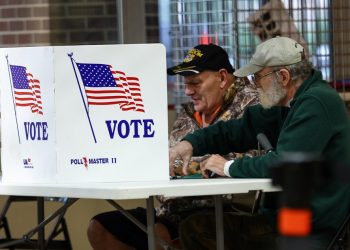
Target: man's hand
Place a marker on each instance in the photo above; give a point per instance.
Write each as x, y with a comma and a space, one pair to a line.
181, 152
214, 163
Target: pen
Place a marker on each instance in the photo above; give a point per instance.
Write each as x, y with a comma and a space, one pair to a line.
210, 173
204, 157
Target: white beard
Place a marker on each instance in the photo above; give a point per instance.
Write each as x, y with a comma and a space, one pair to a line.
273, 95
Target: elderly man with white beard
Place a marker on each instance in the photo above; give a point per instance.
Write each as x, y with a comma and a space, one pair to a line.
299, 112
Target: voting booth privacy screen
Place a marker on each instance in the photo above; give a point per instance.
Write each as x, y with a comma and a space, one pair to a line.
84, 113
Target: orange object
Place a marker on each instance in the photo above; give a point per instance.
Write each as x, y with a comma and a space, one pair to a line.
199, 119
294, 222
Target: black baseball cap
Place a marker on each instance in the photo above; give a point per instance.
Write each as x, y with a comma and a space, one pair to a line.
200, 58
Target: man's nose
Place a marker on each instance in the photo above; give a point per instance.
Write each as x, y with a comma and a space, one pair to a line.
189, 90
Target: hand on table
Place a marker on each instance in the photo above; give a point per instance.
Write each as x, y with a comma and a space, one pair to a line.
180, 154
215, 163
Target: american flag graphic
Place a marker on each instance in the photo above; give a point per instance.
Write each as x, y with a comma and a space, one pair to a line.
106, 86
26, 89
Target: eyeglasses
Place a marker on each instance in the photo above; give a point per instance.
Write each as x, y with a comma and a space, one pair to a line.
255, 79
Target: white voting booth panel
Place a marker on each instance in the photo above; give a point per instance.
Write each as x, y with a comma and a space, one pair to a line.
84, 113
27, 126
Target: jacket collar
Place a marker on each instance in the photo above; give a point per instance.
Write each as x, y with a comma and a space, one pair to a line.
316, 76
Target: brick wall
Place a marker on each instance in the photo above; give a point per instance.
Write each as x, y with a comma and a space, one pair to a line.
152, 22
24, 22
341, 39
63, 22
83, 22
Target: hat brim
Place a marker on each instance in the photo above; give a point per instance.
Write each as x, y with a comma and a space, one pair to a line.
247, 70
184, 69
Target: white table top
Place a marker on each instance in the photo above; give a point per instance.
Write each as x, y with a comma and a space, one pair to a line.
139, 190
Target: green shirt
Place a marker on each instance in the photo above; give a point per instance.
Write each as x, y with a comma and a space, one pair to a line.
316, 122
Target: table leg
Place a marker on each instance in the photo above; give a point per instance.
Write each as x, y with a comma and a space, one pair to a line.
41, 231
219, 222
42, 222
150, 224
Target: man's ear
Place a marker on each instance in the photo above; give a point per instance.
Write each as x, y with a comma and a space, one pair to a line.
223, 78
285, 77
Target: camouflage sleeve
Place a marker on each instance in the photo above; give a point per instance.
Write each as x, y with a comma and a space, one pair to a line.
183, 125
246, 96
177, 132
